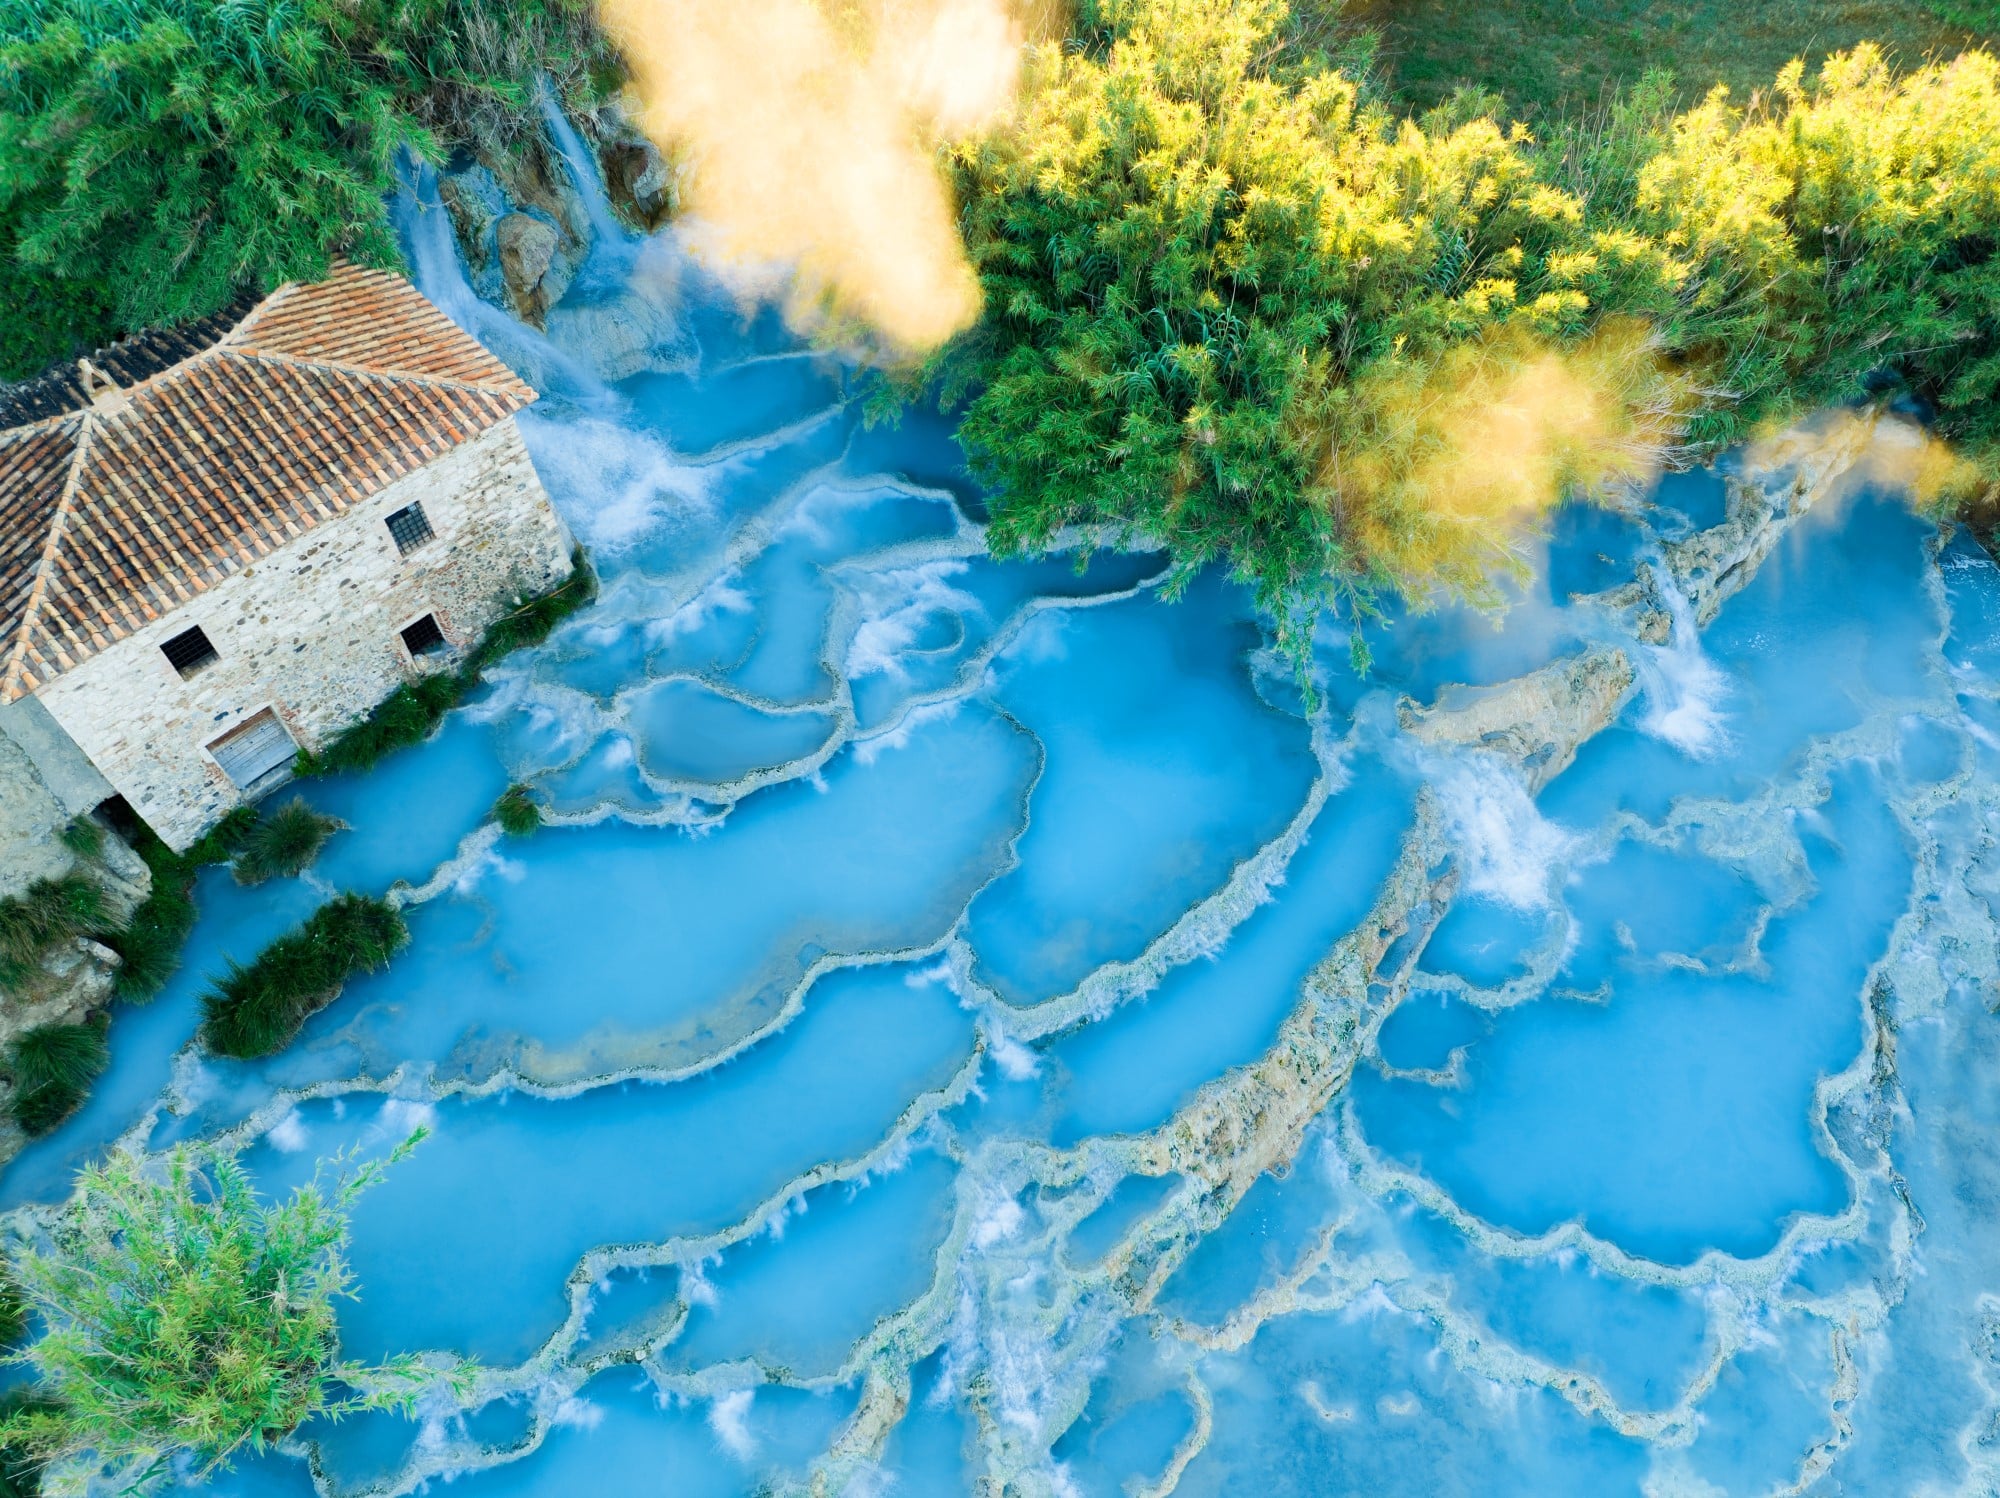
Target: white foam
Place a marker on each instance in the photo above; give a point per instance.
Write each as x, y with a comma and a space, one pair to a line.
729, 1418
1016, 1062
696, 1288
895, 605
998, 1223
723, 596
615, 485
289, 1135
577, 1414
1685, 690
1507, 850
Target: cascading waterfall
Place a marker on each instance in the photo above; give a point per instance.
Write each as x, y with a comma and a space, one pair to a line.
967, 1030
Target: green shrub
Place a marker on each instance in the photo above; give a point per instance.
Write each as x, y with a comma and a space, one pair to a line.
53, 1067
185, 1314
1239, 307
257, 1009
20, 1473
516, 811
44, 915
282, 843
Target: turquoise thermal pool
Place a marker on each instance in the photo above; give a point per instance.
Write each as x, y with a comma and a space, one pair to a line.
972, 1026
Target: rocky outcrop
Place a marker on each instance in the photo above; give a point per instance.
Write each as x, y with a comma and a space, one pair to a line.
76, 978
642, 184
1537, 721
529, 268
522, 221
521, 226
1780, 480
1254, 1119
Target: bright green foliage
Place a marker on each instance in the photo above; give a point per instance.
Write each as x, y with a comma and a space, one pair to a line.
20, 1473
1233, 306
159, 156
411, 713
1847, 226
516, 811
256, 1010
185, 1314
283, 843
1211, 287
53, 1067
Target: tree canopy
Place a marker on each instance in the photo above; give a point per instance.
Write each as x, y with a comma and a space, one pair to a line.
1236, 305
159, 156
182, 1313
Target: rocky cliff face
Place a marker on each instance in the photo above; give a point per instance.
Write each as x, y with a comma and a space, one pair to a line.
523, 223
75, 979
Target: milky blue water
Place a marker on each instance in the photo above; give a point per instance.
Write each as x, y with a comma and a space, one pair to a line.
927, 1051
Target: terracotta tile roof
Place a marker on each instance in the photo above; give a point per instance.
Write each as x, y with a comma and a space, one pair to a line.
116, 511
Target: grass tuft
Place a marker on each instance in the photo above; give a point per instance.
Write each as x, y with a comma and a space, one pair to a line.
282, 843
411, 713
44, 915
407, 716
257, 1009
53, 1067
13, 1315
516, 812
533, 620
83, 837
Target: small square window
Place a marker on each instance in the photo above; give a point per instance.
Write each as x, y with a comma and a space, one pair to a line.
411, 528
189, 651
424, 636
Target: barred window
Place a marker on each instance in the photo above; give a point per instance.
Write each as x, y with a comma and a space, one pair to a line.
424, 636
189, 651
411, 528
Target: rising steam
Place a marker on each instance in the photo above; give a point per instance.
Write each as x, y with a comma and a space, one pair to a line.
813, 127
1439, 464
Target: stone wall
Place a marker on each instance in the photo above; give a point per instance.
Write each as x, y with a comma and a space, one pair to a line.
31, 823
312, 631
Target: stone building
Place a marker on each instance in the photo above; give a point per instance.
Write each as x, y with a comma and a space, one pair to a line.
227, 541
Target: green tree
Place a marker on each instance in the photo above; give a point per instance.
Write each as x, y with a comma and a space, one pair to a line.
183, 1313
1845, 226
1236, 307
159, 156
1233, 306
